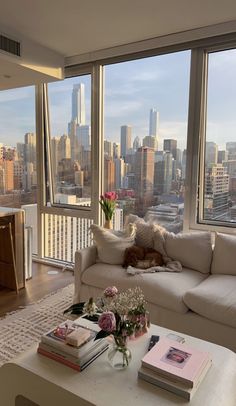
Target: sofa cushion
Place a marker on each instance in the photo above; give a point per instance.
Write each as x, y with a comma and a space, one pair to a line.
224, 255
192, 250
164, 289
144, 231
214, 298
110, 246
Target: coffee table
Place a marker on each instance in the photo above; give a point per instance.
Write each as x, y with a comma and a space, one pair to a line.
32, 379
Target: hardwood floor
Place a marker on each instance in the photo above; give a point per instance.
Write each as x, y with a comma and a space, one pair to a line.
36, 288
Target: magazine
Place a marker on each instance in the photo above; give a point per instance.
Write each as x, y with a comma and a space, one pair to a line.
78, 361
179, 388
177, 361
68, 362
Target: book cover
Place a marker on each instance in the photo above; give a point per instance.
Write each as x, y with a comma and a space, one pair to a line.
68, 363
178, 388
75, 360
56, 338
176, 360
58, 358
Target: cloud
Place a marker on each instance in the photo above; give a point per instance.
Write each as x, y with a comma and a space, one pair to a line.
147, 76
122, 109
221, 132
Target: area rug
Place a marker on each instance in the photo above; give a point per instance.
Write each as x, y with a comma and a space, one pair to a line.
23, 328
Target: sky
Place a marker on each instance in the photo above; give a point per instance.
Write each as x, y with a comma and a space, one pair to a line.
131, 90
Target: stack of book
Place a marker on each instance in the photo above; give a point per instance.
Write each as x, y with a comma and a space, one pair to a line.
72, 344
175, 367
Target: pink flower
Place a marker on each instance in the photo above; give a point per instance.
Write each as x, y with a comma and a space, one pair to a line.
107, 322
110, 195
110, 291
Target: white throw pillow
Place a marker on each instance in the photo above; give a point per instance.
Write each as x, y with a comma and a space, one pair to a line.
224, 255
192, 250
144, 231
110, 246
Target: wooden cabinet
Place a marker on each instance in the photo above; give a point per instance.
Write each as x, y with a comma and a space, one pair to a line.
12, 270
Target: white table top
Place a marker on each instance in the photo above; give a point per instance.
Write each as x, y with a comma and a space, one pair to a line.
99, 384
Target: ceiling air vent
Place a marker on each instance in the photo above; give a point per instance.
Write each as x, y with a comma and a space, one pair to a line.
10, 45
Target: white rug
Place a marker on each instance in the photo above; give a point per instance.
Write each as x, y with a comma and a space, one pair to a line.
23, 328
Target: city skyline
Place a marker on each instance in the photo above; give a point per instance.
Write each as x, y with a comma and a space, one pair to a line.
125, 106
149, 181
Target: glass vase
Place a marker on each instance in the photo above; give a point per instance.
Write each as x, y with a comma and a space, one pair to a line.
119, 355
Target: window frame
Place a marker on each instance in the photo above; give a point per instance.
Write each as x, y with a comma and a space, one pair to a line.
195, 132
195, 167
92, 212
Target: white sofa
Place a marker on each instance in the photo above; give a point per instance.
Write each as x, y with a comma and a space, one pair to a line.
199, 301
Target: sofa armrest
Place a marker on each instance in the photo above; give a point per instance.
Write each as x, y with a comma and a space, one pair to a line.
83, 260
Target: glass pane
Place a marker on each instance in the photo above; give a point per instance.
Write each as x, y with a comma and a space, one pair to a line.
220, 146
18, 174
146, 107
70, 128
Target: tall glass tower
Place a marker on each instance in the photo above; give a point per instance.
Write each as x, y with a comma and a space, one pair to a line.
78, 104
154, 122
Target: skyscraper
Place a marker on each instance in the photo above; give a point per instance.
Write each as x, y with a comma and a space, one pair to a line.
150, 141
109, 175
30, 178
216, 199
119, 173
64, 150
144, 177
211, 155
78, 104
125, 139
83, 133
108, 149
222, 156
170, 145
116, 150
154, 123
163, 174
136, 144
231, 148
30, 148
179, 156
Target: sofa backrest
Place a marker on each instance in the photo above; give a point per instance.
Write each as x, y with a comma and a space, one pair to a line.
193, 250
224, 256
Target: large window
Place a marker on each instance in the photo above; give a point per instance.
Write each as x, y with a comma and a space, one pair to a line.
219, 179
18, 173
68, 168
18, 181
145, 137
158, 130
70, 141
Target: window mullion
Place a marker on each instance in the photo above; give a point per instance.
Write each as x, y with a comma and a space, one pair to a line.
47, 144
40, 168
97, 140
196, 130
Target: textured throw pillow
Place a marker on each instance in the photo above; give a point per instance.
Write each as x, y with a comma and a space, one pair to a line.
110, 246
224, 255
144, 231
192, 250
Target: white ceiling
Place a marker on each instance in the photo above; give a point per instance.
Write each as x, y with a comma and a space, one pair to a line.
73, 27
13, 75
